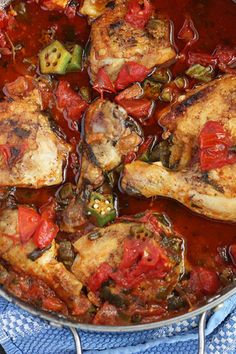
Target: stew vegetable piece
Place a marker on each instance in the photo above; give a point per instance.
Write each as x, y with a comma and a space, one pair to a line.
83, 243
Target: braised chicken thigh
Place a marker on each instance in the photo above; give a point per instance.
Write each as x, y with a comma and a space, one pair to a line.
201, 129
31, 154
115, 42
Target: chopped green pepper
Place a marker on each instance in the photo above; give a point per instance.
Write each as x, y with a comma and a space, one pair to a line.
200, 72
75, 62
85, 93
54, 59
181, 82
166, 95
152, 89
162, 75
101, 208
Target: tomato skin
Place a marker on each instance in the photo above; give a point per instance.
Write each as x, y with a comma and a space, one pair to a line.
70, 102
188, 32
45, 233
48, 210
214, 142
137, 16
100, 276
138, 108
129, 73
141, 260
52, 304
103, 82
28, 221
130, 157
204, 281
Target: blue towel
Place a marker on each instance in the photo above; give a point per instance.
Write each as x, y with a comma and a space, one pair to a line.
22, 333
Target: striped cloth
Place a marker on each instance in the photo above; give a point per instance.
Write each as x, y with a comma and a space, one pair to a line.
22, 333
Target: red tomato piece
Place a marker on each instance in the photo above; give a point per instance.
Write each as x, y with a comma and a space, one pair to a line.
151, 221
48, 210
214, 143
131, 156
28, 221
129, 73
226, 58
141, 259
45, 233
138, 15
201, 58
204, 281
100, 276
188, 32
133, 92
103, 82
138, 108
145, 145
52, 304
69, 101
232, 253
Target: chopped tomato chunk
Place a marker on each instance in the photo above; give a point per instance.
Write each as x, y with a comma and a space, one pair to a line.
69, 101
138, 15
141, 260
100, 276
215, 143
45, 233
103, 82
52, 304
48, 210
28, 221
129, 73
131, 156
138, 108
188, 32
204, 281
145, 145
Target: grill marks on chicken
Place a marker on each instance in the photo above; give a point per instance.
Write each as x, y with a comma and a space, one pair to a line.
31, 154
211, 193
110, 134
45, 268
115, 42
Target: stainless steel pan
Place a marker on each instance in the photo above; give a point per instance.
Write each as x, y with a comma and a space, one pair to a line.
212, 304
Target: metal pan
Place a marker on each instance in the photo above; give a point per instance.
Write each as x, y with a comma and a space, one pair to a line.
212, 304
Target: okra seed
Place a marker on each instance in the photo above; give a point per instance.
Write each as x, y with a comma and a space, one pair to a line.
95, 206
47, 64
108, 209
96, 201
103, 212
54, 50
107, 202
59, 55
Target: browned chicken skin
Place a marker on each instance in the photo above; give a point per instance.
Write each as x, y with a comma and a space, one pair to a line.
115, 42
32, 155
213, 193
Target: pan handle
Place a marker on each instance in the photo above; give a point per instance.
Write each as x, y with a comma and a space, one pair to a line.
201, 333
77, 340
